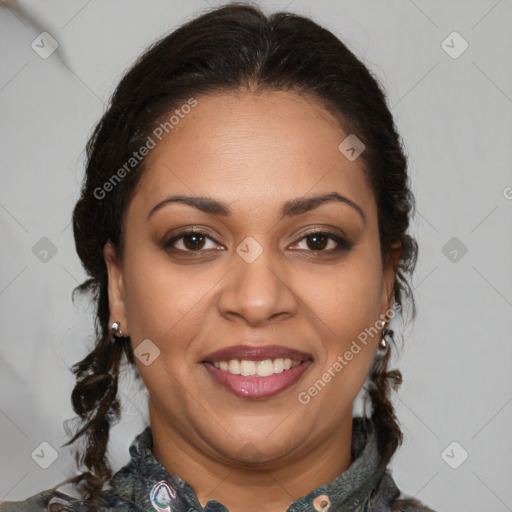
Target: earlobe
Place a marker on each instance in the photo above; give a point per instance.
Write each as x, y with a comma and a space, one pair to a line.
116, 298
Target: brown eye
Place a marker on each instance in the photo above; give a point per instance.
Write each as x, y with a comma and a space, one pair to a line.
190, 241
318, 241
324, 242
194, 241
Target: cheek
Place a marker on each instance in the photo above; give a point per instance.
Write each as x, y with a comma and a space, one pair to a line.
347, 300
147, 306
349, 310
158, 297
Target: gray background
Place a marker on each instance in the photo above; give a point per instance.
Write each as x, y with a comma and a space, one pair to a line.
455, 118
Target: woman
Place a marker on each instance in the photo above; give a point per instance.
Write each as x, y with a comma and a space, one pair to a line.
243, 221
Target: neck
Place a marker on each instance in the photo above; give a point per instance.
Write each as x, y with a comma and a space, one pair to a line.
271, 489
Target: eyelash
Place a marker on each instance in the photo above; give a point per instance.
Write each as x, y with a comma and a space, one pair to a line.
343, 245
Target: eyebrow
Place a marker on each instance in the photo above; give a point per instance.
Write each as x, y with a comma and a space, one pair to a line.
289, 209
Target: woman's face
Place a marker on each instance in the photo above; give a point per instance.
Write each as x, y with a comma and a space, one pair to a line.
273, 272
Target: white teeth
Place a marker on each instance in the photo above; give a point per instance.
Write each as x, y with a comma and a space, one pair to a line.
247, 368
278, 365
262, 368
265, 368
234, 366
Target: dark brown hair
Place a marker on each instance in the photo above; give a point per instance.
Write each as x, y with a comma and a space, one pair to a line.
229, 49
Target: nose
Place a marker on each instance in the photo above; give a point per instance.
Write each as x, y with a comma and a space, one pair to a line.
257, 292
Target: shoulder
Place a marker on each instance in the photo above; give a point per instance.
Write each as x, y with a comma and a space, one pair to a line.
408, 504
38, 502
50, 500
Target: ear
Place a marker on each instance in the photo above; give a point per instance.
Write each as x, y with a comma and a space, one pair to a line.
389, 275
116, 299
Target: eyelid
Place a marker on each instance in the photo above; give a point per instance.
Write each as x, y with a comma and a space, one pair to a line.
168, 242
341, 241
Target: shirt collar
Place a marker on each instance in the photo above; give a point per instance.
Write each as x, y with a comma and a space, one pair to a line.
145, 482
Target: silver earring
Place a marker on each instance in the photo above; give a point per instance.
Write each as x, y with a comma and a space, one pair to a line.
384, 344
116, 330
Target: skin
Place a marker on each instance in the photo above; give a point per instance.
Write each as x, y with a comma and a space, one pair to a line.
252, 152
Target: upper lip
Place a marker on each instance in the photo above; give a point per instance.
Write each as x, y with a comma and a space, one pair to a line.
256, 353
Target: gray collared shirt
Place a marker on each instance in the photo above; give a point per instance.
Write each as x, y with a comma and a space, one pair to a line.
144, 485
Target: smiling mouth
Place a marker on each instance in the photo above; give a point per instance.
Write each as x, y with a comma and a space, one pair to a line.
257, 379
263, 368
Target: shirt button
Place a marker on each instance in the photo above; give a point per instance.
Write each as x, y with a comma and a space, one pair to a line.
161, 496
322, 503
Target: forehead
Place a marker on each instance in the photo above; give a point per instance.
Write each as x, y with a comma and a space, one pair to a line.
245, 146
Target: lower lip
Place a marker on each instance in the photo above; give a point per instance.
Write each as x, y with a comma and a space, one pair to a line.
258, 387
